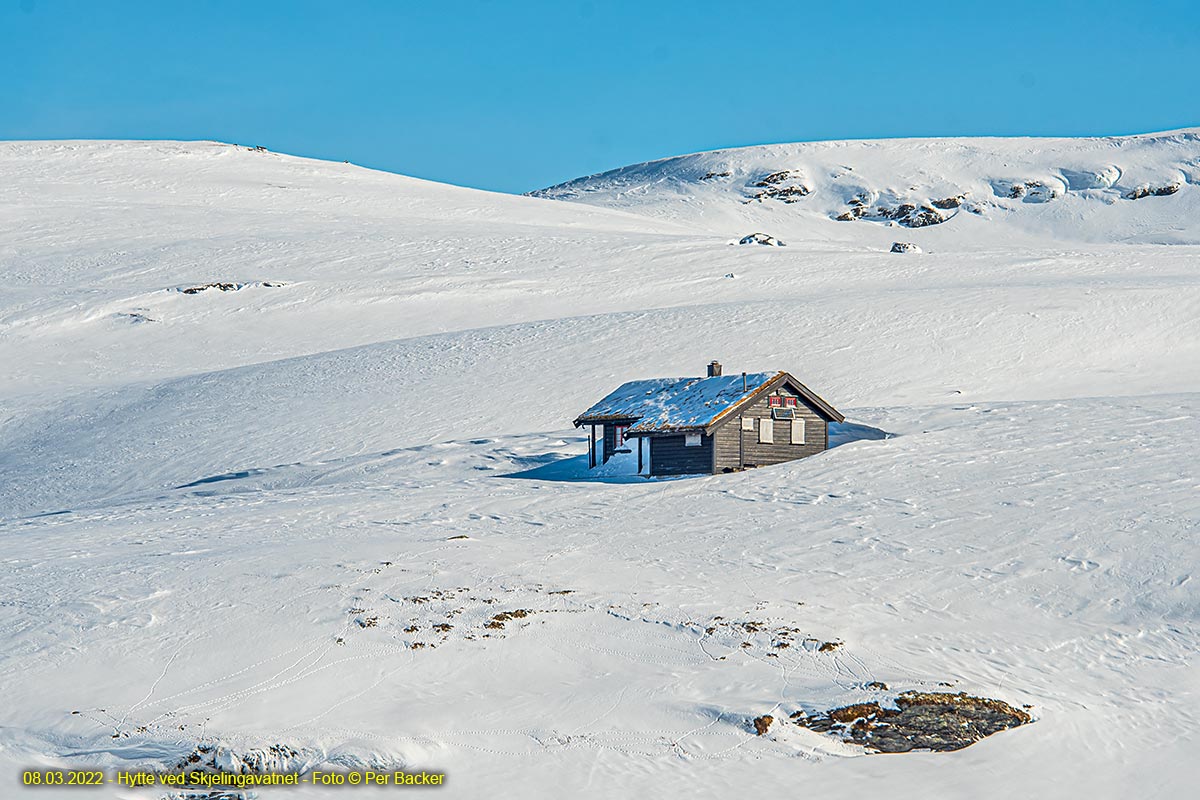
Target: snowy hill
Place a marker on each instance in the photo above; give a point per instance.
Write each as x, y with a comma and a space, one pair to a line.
942, 192
281, 439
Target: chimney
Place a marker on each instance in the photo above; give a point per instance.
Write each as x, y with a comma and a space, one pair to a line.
714, 369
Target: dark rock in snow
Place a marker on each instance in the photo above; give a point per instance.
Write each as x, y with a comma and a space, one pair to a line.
910, 216
787, 186
920, 721
761, 238
1030, 191
1040, 192
778, 177
948, 202
907, 214
1152, 191
788, 194
710, 175
905, 247
923, 217
224, 287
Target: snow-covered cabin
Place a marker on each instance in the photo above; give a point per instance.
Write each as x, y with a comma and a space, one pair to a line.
718, 423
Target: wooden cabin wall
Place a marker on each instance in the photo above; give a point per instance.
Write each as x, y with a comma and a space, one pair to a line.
757, 454
670, 456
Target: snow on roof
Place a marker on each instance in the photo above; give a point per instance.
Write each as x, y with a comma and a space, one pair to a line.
673, 403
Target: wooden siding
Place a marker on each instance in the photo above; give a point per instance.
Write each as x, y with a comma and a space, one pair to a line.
670, 456
757, 454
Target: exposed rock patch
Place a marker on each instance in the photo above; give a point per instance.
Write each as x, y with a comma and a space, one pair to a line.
787, 186
1039, 192
920, 721
761, 238
1146, 190
787, 194
498, 620
779, 178
204, 287
949, 202
224, 286
215, 758
910, 215
1029, 191
905, 247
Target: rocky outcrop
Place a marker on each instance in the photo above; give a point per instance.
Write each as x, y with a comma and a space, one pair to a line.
225, 287
1029, 191
920, 217
905, 247
947, 203
761, 238
777, 178
1146, 190
204, 287
909, 215
788, 194
920, 721
787, 186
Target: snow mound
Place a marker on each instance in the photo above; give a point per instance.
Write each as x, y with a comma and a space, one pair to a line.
1065, 189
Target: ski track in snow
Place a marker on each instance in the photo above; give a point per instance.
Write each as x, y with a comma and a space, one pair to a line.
240, 519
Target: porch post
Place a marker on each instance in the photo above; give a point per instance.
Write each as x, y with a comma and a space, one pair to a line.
592, 448
741, 443
640, 455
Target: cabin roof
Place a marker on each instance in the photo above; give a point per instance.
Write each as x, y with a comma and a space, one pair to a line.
661, 405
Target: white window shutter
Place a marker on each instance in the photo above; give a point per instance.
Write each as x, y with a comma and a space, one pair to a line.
747, 423
797, 431
766, 431
691, 440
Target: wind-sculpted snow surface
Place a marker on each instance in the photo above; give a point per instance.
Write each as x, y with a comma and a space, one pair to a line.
1035, 553
328, 510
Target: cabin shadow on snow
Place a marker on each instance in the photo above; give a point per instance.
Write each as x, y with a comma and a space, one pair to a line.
558, 467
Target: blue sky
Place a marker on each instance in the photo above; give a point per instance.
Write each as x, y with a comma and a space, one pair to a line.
516, 95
